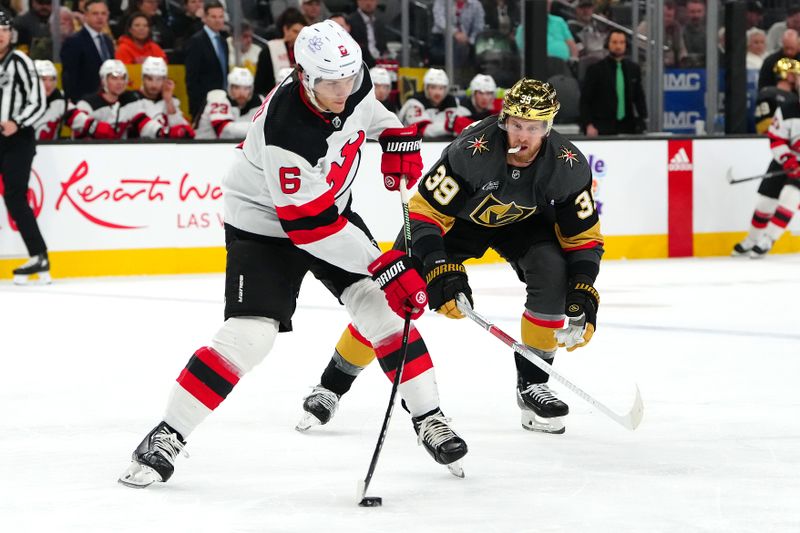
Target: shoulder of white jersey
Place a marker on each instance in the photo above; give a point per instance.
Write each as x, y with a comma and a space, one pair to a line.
217, 96
448, 102
290, 123
55, 95
93, 102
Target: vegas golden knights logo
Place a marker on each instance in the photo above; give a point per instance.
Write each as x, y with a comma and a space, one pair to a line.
492, 212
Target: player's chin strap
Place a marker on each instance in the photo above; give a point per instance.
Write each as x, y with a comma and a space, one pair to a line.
630, 420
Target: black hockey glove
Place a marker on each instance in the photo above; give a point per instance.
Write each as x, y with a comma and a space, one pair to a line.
581, 309
445, 280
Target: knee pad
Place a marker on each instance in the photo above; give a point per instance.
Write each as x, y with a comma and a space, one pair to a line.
245, 341
370, 311
790, 195
539, 332
354, 350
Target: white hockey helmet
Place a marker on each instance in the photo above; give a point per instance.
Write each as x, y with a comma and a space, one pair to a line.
325, 51
483, 83
380, 76
435, 76
112, 67
240, 76
154, 66
45, 68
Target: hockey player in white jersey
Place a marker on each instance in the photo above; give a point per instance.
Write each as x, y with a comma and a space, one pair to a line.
117, 106
434, 111
159, 105
228, 115
60, 112
287, 207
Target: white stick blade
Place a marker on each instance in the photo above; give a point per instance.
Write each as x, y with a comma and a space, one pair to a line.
637, 411
729, 175
361, 490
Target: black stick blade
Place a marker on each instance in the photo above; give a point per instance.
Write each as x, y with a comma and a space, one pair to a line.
371, 501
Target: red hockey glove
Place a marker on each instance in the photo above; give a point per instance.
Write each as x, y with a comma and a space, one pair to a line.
401, 156
101, 130
402, 285
457, 124
790, 165
181, 131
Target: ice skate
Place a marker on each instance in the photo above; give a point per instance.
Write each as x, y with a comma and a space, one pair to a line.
762, 247
742, 249
440, 441
154, 459
37, 268
541, 410
319, 407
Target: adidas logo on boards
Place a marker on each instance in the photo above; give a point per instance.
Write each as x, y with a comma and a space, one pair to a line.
680, 161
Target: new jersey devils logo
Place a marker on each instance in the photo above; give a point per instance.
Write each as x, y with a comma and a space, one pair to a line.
35, 196
340, 172
343, 50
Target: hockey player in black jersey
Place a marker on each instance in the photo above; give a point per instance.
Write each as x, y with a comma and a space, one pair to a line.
511, 184
287, 207
777, 115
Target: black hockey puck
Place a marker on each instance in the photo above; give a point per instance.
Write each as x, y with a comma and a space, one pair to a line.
371, 501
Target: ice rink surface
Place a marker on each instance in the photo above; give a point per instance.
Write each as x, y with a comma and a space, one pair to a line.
714, 345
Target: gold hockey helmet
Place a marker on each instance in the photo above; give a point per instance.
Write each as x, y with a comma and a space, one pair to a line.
530, 99
785, 66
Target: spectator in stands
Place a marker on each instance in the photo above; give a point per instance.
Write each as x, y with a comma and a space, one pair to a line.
694, 33
502, 15
612, 98
369, 31
312, 11
185, 24
560, 42
33, 29
382, 82
279, 53
341, 19
468, 23
159, 31
756, 48
137, 45
675, 54
66, 23
790, 46
754, 14
590, 35
248, 51
206, 58
776, 31
83, 53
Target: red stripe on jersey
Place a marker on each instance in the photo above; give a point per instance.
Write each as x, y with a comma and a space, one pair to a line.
423, 218
774, 140
310, 209
219, 125
413, 368
587, 246
218, 364
307, 236
393, 343
199, 390
358, 336
552, 324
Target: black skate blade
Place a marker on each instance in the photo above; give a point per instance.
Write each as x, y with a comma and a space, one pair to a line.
371, 501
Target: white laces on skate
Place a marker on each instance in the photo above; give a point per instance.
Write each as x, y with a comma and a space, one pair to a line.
435, 430
169, 446
324, 397
540, 392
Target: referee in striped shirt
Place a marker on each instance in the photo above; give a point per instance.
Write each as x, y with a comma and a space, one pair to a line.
22, 102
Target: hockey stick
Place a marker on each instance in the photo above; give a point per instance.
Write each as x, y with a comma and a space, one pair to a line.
630, 420
363, 485
734, 181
